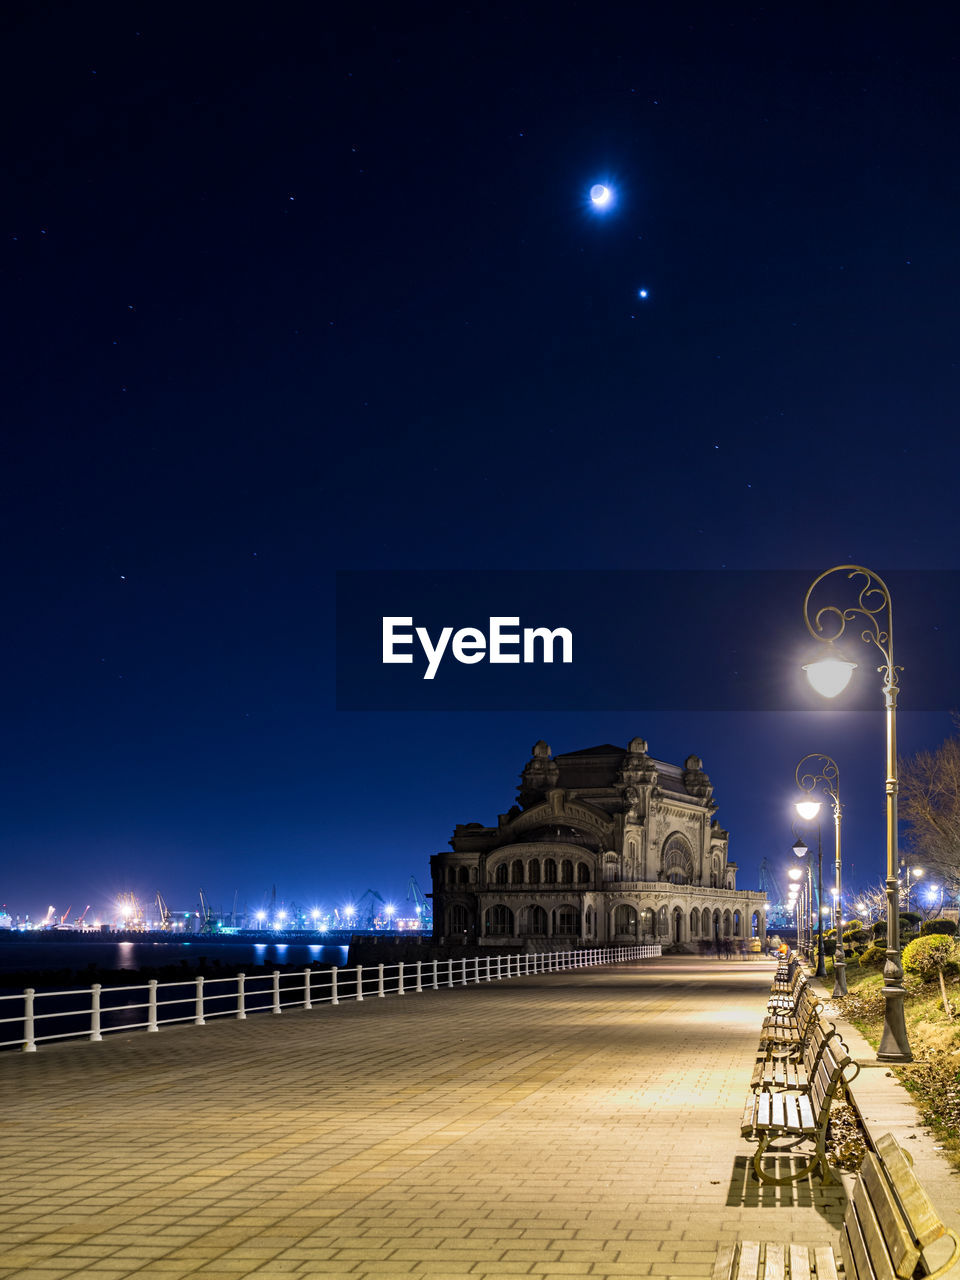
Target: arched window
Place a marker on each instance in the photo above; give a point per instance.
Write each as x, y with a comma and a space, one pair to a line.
566, 871
625, 921
694, 923
452, 875
459, 919
501, 876
705, 923
677, 925
677, 860
536, 921
516, 872
755, 925
648, 923
583, 873
662, 922
549, 871
534, 871
499, 920
727, 923
463, 875
736, 924
566, 921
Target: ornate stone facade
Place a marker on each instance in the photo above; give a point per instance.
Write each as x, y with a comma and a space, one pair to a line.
604, 845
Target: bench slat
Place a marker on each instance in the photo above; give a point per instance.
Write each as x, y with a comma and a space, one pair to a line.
749, 1260
874, 1187
873, 1236
826, 1263
723, 1267
774, 1262
855, 1250
923, 1219
799, 1262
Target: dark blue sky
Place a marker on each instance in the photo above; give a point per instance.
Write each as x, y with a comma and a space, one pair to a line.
283, 298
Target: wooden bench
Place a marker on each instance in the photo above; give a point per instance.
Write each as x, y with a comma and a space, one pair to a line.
794, 1070
789, 1119
888, 1233
783, 999
791, 1029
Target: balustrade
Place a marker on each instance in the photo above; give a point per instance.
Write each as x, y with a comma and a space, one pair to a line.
93, 1011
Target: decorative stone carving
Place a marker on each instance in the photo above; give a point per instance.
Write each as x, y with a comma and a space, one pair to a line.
539, 775
695, 780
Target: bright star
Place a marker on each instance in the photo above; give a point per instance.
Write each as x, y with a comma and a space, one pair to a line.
642, 293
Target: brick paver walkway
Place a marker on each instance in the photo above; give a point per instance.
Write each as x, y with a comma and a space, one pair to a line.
570, 1124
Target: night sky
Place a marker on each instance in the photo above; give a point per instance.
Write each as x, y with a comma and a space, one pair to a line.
292, 290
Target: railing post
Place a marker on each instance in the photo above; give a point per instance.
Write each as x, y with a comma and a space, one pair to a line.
463, 974
29, 1029
334, 998
276, 991
450, 972
241, 996
419, 976
198, 1019
487, 976
476, 968
435, 982
306, 989
95, 1012
380, 981
400, 990
359, 981
152, 1005
498, 969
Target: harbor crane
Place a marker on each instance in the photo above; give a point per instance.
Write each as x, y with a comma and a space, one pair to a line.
163, 909
366, 909
423, 908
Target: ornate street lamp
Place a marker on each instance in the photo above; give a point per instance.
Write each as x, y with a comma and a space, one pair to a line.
825, 772
829, 676
801, 850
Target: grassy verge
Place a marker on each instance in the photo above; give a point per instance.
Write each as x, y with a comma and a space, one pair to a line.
934, 1076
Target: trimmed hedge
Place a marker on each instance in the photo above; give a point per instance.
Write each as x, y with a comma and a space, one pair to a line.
938, 926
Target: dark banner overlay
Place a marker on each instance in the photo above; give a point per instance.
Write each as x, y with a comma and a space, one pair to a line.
645, 640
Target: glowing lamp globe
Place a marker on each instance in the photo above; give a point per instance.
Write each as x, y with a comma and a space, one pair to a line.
600, 195
795, 873
830, 674
807, 809
799, 848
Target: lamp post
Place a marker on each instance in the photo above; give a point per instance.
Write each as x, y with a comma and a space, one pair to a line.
801, 850
916, 872
829, 676
823, 773
795, 901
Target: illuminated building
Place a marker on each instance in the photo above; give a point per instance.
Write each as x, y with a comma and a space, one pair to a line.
604, 845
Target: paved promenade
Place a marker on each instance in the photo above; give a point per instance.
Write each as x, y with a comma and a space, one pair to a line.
581, 1124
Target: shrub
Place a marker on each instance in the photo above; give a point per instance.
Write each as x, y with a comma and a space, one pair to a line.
932, 956
829, 946
938, 926
880, 929
912, 919
873, 958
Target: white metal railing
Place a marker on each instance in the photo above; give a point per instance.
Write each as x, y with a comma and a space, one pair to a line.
149, 1005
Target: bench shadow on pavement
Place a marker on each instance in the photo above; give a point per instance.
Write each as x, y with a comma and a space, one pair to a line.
747, 1192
